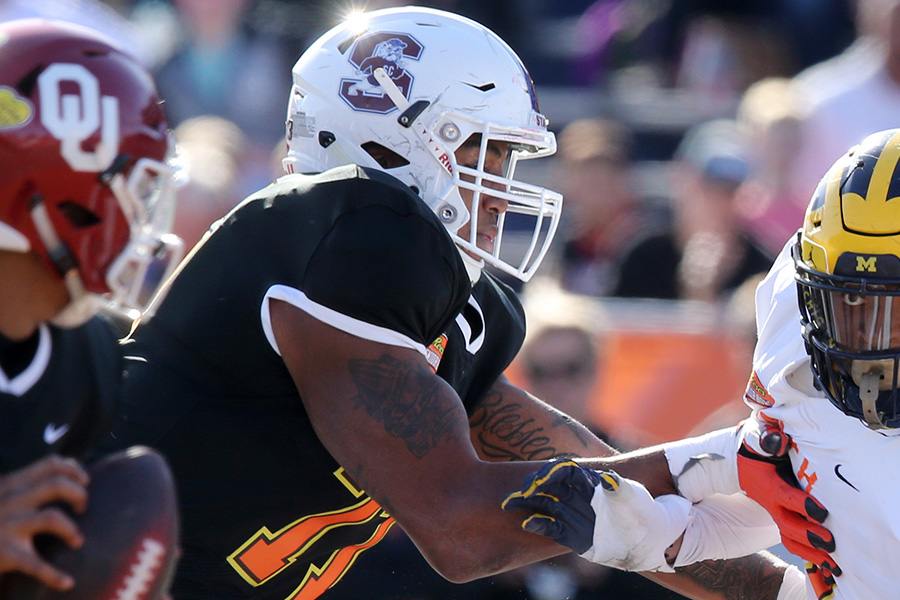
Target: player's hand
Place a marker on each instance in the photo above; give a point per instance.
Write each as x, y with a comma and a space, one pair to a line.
559, 498
822, 581
602, 516
765, 474
24, 513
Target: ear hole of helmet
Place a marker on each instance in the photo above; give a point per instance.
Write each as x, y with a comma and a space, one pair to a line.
326, 138
26, 85
385, 157
79, 216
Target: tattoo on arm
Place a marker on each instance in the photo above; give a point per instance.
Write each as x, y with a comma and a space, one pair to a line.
748, 577
505, 433
406, 399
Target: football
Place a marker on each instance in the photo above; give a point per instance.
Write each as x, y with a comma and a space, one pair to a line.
130, 529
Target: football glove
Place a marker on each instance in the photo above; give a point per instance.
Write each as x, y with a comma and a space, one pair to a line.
603, 517
766, 475
822, 581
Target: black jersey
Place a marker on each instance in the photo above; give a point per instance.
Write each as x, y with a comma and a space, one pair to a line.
266, 511
57, 392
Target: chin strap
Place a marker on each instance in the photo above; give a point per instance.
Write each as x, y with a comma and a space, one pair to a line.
59, 253
868, 395
473, 265
82, 305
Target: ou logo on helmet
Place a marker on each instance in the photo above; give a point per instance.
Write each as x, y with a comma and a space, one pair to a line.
73, 118
391, 52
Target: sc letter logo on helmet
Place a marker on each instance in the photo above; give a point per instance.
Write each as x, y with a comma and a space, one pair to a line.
385, 50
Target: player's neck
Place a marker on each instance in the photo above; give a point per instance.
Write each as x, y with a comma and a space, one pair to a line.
16, 356
29, 295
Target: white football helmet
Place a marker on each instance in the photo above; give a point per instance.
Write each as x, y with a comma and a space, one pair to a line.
418, 83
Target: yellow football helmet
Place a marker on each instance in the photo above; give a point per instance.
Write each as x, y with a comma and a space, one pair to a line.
848, 272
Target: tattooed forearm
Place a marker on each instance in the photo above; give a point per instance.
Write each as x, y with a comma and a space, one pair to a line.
499, 453
505, 433
580, 431
406, 399
737, 579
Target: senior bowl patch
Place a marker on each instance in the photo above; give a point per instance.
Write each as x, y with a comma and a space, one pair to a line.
435, 352
15, 111
757, 394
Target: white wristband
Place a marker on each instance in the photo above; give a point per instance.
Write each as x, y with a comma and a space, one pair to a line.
723, 527
793, 585
705, 465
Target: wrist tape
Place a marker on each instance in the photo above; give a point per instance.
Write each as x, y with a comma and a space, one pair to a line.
723, 527
705, 465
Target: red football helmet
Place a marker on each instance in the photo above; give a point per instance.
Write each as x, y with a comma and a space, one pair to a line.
84, 181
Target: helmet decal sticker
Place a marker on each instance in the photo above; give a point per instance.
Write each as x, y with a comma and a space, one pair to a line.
385, 50
300, 125
15, 111
871, 191
74, 118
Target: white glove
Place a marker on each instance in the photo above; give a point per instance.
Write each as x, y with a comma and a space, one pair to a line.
632, 529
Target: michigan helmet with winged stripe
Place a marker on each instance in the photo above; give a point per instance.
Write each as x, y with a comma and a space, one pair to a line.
848, 273
401, 90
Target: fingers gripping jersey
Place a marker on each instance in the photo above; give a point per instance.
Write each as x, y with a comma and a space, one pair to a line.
849, 468
267, 512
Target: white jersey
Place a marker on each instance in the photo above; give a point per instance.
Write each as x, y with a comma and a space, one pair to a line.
852, 470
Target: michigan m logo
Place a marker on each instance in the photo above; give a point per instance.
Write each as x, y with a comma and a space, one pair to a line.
866, 264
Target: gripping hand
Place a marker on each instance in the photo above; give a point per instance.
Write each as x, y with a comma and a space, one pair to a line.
602, 516
27, 511
765, 474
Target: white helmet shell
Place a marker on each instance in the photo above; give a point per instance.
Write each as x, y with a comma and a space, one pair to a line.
420, 82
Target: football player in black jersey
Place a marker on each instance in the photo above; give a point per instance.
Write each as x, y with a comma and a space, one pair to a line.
329, 358
85, 204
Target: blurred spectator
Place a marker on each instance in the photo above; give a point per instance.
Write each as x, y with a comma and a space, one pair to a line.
613, 34
90, 13
756, 39
722, 54
602, 215
561, 356
704, 254
298, 22
210, 150
738, 324
817, 29
771, 208
222, 68
696, 44
853, 94
551, 42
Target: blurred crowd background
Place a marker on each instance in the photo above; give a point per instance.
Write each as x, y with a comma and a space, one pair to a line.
692, 134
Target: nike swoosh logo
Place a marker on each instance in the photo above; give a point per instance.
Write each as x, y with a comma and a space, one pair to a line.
52, 433
842, 478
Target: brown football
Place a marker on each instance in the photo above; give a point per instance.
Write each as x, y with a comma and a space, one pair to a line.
130, 529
